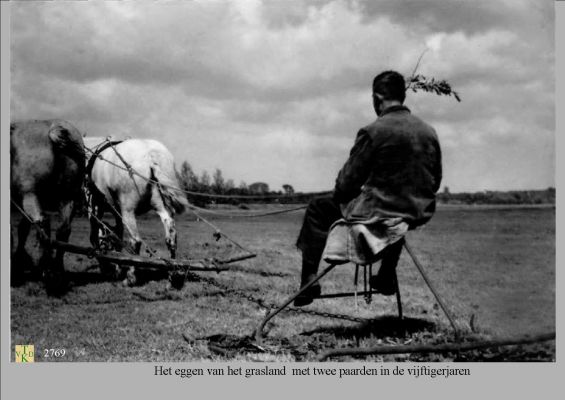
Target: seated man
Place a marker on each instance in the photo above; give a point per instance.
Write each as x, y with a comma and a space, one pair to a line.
393, 171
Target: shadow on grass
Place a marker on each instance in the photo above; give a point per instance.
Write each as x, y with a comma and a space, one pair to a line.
382, 327
84, 278
72, 278
93, 276
306, 345
145, 275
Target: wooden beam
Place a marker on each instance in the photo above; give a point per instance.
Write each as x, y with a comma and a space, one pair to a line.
440, 348
235, 259
149, 262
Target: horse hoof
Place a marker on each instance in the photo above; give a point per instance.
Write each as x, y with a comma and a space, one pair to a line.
16, 277
110, 270
177, 280
129, 282
55, 283
131, 279
23, 261
45, 263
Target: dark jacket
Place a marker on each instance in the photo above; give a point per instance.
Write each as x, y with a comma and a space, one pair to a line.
393, 170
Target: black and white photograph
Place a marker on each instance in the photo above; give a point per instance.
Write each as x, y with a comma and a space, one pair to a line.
274, 182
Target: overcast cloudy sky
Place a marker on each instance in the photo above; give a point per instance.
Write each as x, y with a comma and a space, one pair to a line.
276, 91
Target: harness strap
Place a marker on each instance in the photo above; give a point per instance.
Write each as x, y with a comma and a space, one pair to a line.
107, 143
95, 155
126, 164
92, 191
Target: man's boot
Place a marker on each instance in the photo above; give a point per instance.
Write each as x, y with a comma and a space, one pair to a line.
309, 272
385, 280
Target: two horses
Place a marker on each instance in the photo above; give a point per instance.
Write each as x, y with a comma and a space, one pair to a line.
48, 167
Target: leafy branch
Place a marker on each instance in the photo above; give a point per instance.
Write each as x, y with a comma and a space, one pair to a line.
431, 85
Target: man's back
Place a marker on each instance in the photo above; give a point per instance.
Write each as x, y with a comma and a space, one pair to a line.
397, 162
393, 171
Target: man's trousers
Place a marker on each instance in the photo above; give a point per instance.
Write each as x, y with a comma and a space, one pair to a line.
320, 215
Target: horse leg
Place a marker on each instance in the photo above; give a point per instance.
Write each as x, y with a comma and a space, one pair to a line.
119, 232
108, 269
176, 278
167, 220
128, 220
44, 237
66, 211
170, 232
23, 231
96, 214
113, 270
33, 210
21, 259
55, 281
53, 278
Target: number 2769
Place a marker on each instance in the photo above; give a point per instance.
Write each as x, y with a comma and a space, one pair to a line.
56, 353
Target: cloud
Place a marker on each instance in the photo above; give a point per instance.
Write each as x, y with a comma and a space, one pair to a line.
468, 17
276, 91
148, 44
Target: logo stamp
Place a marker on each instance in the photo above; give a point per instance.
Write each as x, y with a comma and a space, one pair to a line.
25, 353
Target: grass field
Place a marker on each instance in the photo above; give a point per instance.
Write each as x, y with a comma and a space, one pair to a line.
494, 266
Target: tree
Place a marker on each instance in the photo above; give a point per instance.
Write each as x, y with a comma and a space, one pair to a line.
242, 189
205, 181
259, 188
188, 178
219, 183
288, 189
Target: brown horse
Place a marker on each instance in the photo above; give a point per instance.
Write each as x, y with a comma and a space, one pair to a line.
47, 174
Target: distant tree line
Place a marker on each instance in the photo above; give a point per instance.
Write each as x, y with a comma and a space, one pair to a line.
546, 196
217, 184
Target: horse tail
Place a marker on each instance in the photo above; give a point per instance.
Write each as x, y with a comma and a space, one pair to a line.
173, 197
68, 141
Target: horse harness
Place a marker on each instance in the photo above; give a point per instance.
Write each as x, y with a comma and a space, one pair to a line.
94, 157
92, 192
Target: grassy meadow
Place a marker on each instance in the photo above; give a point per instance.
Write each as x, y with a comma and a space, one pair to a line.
494, 267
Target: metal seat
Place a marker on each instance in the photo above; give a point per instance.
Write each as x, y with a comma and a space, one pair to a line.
367, 291
331, 266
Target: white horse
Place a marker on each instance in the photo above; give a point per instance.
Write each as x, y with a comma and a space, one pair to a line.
129, 178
